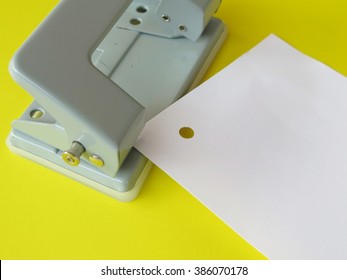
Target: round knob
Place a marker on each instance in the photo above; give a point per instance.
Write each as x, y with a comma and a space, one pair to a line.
73, 155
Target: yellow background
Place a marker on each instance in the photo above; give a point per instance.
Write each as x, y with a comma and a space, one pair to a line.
44, 215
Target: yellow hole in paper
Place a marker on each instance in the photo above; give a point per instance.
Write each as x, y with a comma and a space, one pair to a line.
186, 132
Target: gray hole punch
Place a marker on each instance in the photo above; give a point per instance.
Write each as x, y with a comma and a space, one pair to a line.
98, 70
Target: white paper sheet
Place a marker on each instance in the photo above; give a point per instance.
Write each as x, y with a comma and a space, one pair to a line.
269, 154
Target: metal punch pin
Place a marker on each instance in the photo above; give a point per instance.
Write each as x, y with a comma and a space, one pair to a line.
73, 155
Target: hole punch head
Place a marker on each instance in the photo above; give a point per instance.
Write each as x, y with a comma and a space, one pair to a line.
186, 132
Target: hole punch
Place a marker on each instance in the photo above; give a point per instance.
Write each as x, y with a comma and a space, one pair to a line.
135, 21
129, 38
141, 9
186, 132
36, 114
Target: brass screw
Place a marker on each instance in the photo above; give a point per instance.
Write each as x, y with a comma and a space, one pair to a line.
96, 160
73, 155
